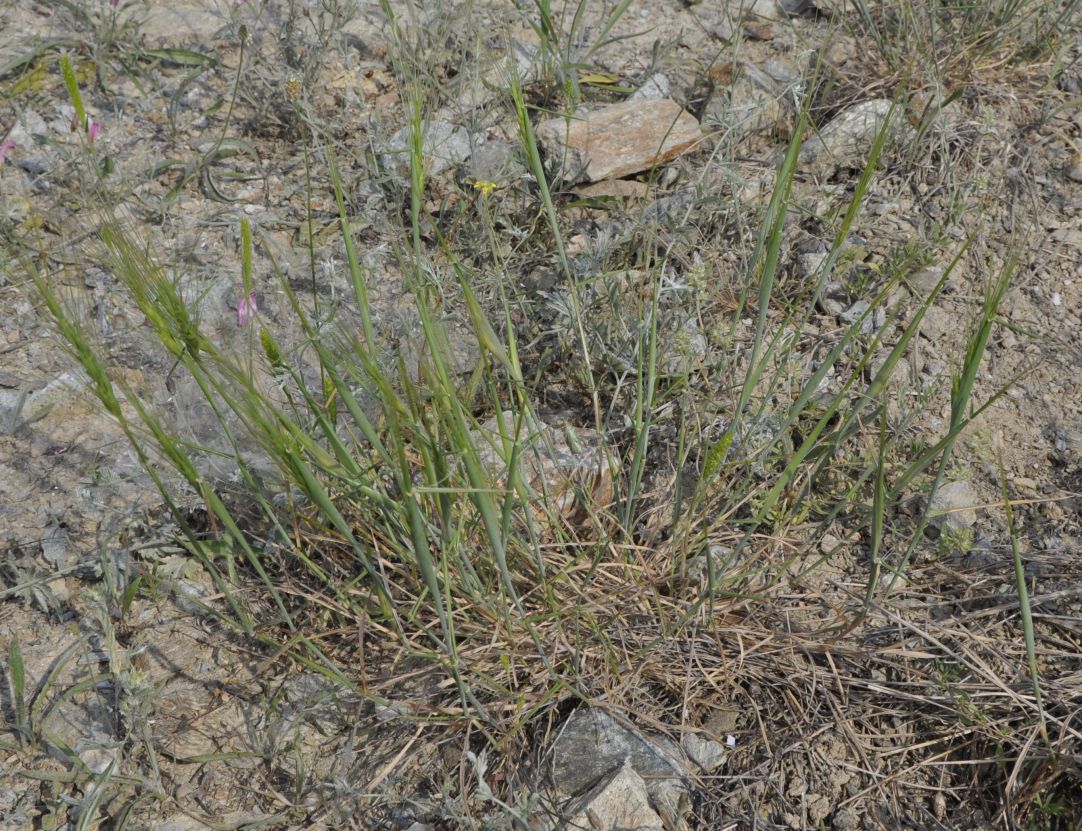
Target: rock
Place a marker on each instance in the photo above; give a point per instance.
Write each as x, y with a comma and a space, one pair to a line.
624, 190
557, 464
592, 747
619, 140
952, 507
847, 140
834, 299
706, 753
845, 820
747, 102
618, 802
766, 9
654, 88
937, 325
1074, 172
18, 407
922, 283
496, 161
871, 323
808, 265
445, 145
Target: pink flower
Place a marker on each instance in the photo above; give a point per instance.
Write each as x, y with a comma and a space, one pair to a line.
247, 309
5, 148
114, 3
93, 131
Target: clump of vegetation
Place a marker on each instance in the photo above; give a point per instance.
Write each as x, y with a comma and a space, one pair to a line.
398, 509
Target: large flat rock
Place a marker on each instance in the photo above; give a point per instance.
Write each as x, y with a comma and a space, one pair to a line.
619, 139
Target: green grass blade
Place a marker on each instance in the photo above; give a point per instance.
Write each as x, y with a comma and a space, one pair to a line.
17, 678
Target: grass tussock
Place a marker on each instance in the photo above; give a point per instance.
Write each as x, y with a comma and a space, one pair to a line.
595, 510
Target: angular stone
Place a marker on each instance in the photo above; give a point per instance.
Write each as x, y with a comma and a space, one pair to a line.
620, 139
655, 87
592, 746
847, 140
953, 506
629, 190
444, 146
706, 753
618, 802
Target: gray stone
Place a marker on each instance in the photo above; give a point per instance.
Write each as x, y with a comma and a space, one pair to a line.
808, 265
871, 323
496, 161
655, 87
593, 746
952, 507
618, 802
444, 146
766, 9
706, 753
847, 140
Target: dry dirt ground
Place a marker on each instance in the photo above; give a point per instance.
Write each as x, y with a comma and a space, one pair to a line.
921, 718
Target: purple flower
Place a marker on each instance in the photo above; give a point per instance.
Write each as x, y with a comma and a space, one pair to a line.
114, 3
247, 309
6, 147
93, 131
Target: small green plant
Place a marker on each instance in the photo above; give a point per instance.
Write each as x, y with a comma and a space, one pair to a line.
954, 541
1050, 811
